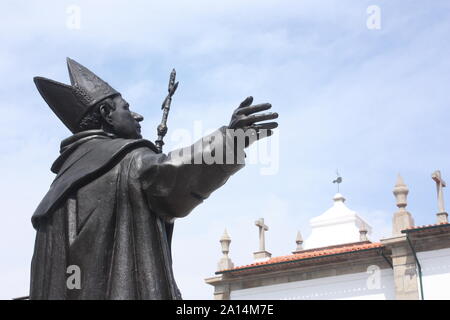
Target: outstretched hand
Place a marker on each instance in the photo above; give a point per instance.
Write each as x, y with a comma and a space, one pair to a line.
244, 118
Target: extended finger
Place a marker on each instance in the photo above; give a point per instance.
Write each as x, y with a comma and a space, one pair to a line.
256, 135
263, 133
267, 125
253, 109
248, 101
260, 117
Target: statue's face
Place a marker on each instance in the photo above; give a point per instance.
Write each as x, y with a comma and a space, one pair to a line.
125, 122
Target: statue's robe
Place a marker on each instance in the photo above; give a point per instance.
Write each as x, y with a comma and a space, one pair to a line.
110, 212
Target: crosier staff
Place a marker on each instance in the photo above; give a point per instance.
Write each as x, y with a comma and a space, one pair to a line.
162, 128
166, 229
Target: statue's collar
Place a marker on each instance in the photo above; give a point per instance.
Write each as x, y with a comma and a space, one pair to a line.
71, 143
68, 142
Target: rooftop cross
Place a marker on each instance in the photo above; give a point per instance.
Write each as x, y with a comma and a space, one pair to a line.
262, 227
440, 184
338, 180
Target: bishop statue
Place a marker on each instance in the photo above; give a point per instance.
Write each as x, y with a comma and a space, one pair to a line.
110, 210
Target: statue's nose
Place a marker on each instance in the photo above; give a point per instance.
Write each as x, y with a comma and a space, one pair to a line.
137, 117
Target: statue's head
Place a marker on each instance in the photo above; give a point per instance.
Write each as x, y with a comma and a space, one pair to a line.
89, 103
113, 115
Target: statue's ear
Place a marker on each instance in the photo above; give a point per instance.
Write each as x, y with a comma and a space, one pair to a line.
105, 110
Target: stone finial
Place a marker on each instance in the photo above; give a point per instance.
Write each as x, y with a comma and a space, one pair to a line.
402, 218
442, 216
363, 234
262, 254
401, 192
299, 242
225, 262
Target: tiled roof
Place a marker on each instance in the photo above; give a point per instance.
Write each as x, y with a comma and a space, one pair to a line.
426, 227
309, 254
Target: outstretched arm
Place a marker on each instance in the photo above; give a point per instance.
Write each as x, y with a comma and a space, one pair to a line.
176, 183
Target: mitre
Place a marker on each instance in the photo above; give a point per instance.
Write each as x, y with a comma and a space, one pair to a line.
71, 102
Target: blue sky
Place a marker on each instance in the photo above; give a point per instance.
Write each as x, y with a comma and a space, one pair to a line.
373, 103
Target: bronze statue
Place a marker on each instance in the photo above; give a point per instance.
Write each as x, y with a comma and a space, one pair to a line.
110, 210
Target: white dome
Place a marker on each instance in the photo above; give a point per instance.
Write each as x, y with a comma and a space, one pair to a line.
337, 225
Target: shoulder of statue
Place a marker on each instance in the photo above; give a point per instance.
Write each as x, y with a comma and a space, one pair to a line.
143, 146
145, 155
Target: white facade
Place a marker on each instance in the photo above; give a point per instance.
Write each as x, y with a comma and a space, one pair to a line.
337, 225
378, 285
342, 253
435, 274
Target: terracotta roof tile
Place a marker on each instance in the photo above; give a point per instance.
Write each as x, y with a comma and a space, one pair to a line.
428, 226
307, 254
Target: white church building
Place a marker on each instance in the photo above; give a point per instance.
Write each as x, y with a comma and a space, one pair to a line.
337, 261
